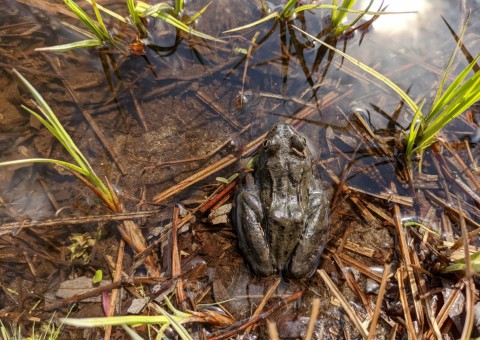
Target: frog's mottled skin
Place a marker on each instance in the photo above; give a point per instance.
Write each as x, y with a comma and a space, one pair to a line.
281, 213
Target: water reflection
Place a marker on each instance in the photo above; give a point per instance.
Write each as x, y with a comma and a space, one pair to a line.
402, 22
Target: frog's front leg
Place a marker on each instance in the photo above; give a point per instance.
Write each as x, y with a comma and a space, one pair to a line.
306, 256
251, 236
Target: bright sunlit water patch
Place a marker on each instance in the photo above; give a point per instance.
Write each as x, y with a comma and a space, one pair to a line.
401, 22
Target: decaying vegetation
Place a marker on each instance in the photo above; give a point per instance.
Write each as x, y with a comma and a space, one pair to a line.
402, 260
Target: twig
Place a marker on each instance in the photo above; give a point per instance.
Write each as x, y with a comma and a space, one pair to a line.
116, 278
252, 321
408, 267
262, 304
176, 264
272, 330
16, 226
313, 318
206, 207
401, 276
442, 315
470, 289
378, 304
343, 301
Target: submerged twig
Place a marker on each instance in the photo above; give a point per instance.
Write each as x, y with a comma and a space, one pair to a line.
343, 301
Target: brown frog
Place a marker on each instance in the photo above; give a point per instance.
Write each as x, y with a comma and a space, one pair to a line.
281, 212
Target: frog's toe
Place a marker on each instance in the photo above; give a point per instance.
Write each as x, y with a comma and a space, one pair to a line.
303, 267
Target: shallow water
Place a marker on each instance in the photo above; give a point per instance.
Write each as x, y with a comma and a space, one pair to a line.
166, 115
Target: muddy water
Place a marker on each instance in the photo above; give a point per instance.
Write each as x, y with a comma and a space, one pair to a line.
187, 103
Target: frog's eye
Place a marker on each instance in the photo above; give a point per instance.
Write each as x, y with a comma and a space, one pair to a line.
266, 143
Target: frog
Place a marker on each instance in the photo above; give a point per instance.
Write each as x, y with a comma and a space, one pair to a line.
281, 212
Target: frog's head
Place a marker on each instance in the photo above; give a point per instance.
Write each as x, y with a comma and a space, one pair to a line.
284, 138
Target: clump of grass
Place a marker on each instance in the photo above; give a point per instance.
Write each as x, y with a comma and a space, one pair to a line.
100, 36
339, 12
80, 166
462, 93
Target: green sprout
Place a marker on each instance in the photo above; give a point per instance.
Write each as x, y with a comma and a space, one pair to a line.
81, 168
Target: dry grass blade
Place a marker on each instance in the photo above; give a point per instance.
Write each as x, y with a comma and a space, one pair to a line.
272, 330
267, 296
378, 304
442, 316
313, 317
116, 278
343, 301
470, 289
401, 276
408, 264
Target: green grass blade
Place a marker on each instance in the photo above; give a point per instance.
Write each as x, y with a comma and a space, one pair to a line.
198, 14
255, 23
408, 100
451, 92
468, 94
416, 126
45, 160
182, 332
354, 11
137, 21
79, 12
286, 11
117, 320
109, 12
102, 26
450, 62
56, 128
178, 6
340, 14
150, 10
133, 335
71, 46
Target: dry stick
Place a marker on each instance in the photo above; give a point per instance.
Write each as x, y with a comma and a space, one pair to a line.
255, 320
17, 226
470, 289
313, 318
400, 275
454, 210
218, 197
443, 313
176, 265
88, 117
378, 304
212, 104
408, 263
361, 267
116, 278
423, 291
262, 304
354, 286
343, 301
463, 166
272, 330
139, 110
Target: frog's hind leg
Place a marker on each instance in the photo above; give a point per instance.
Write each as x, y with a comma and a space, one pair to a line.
251, 236
306, 256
